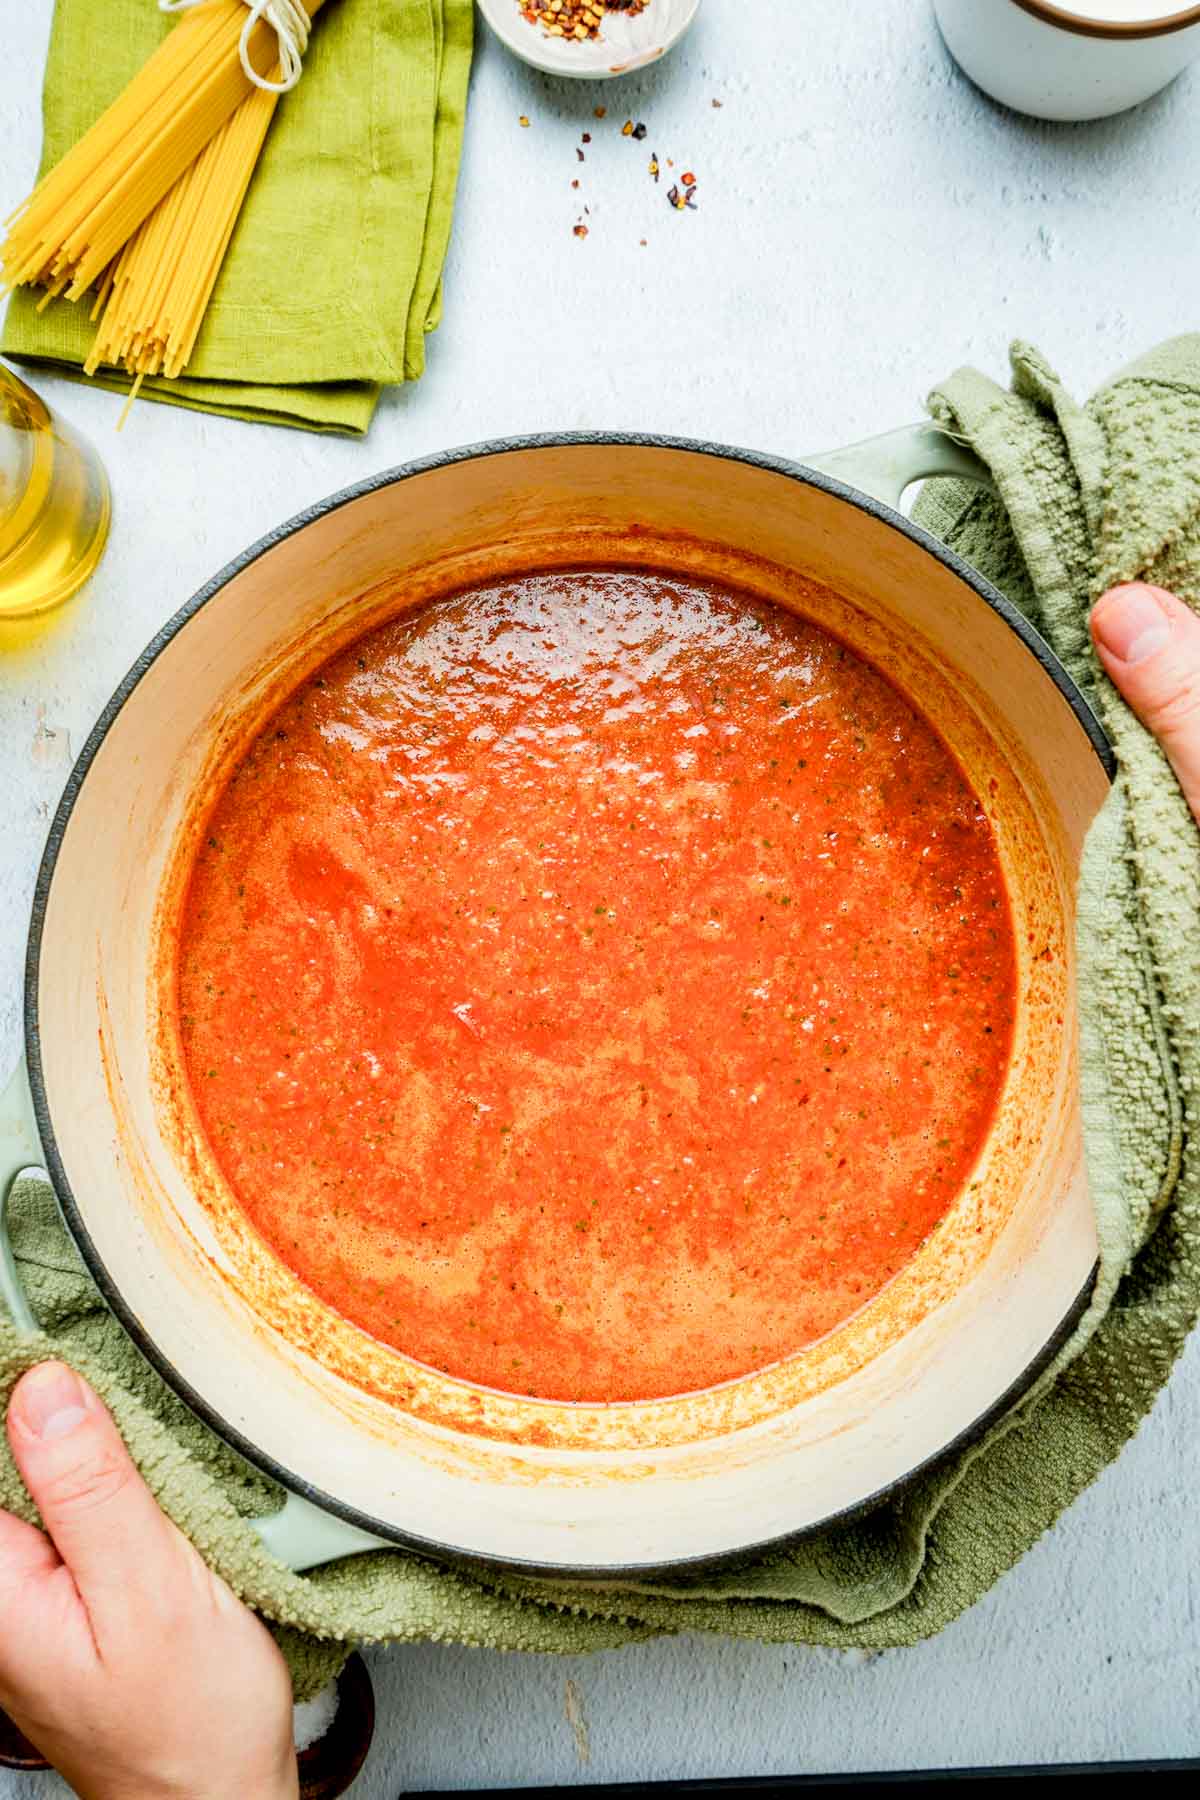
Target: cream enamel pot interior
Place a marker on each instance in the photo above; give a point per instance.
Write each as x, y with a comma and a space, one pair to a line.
375, 1448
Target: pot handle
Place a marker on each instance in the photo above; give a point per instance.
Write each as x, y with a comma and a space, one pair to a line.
299, 1534
884, 467
20, 1154
303, 1537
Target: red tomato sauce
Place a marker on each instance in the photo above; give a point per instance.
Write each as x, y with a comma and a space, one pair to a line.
598, 985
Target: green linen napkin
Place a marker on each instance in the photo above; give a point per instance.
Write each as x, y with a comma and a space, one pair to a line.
333, 276
1088, 496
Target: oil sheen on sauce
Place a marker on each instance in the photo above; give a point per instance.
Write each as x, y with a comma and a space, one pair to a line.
598, 985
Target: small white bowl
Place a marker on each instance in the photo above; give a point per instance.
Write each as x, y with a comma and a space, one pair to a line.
625, 43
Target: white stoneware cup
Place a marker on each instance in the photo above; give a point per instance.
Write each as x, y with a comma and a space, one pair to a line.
1083, 59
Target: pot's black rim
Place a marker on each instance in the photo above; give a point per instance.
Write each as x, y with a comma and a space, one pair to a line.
71, 1211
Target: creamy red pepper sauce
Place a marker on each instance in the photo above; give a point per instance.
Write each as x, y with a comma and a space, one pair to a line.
598, 985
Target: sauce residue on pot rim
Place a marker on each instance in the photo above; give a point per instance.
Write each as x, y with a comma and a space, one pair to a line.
598, 985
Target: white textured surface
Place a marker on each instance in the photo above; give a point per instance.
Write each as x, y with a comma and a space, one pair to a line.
866, 222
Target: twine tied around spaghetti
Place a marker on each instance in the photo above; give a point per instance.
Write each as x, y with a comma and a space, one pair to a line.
289, 21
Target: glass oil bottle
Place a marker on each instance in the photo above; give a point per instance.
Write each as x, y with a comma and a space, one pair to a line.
55, 505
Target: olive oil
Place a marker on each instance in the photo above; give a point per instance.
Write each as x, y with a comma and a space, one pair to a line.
54, 505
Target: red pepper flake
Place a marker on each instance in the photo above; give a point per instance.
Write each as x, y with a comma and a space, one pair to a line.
627, 128
689, 180
523, 122
654, 168
587, 137
575, 183
639, 132
579, 154
575, 20
601, 112
680, 197
581, 231
718, 104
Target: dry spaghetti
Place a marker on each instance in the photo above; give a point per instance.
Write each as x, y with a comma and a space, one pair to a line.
152, 300
141, 210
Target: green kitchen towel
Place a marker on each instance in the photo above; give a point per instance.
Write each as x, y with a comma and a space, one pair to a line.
333, 276
1088, 496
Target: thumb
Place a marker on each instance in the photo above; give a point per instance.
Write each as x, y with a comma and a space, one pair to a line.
1149, 643
103, 1519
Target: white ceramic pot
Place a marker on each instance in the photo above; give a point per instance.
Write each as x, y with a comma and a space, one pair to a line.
1083, 59
378, 1448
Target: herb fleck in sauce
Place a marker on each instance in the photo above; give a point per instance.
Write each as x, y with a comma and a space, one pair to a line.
597, 986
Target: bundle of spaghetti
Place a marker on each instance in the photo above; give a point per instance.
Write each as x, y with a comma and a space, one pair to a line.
84, 211
152, 299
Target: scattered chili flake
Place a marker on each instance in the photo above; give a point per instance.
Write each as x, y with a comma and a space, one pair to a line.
639, 131
587, 137
718, 104
689, 180
654, 168
581, 231
601, 112
627, 128
680, 197
523, 122
575, 183
579, 154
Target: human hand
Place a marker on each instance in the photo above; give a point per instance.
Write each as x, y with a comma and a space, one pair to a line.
1149, 644
132, 1667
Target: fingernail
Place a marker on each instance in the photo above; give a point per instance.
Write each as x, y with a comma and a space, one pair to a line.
1130, 623
51, 1401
